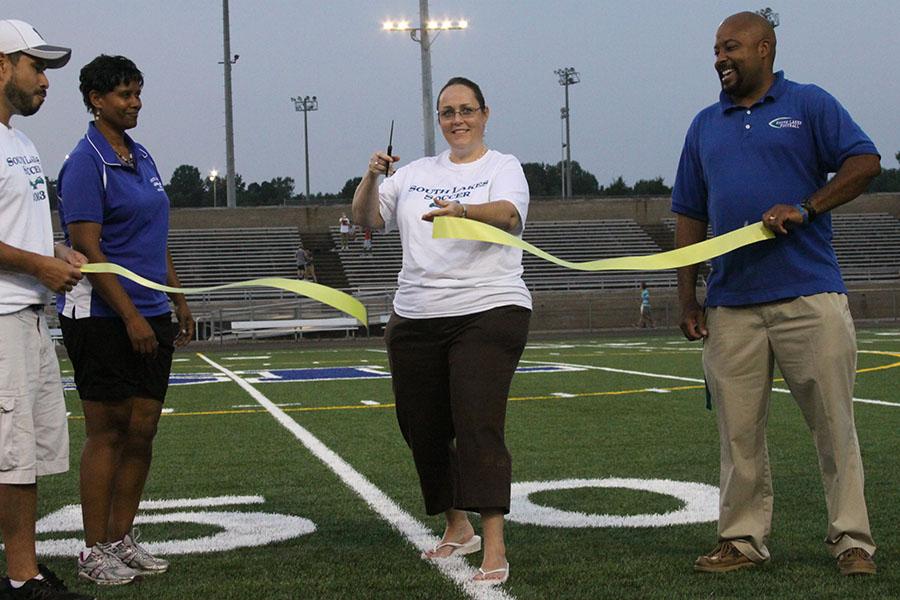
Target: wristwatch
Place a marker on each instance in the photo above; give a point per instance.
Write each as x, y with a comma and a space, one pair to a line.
809, 210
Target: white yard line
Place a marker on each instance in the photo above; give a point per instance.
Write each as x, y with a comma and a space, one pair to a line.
456, 569
679, 378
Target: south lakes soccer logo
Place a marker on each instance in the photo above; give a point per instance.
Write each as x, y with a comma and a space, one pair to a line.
457, 193
785, 123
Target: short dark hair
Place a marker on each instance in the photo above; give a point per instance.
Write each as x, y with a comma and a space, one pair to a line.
466, 82
104, 73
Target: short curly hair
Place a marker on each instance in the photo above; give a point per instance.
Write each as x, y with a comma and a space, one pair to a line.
104, 74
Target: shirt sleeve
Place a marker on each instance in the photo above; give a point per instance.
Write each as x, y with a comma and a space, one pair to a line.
690, 194
509, 184
388, 194
837, 136
81, 189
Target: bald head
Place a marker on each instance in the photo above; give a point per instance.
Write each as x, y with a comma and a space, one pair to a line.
753, 28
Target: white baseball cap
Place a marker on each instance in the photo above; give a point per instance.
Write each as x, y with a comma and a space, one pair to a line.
19, 36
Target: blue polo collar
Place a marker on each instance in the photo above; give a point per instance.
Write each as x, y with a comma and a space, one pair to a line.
105, 151
773, 93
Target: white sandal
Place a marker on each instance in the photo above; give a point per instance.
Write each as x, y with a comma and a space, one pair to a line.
493, 581
468, 547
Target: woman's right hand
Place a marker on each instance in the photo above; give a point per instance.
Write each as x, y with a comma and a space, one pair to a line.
380, 163
142, 336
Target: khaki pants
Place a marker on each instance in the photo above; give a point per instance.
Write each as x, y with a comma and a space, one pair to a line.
813, 340
34, 431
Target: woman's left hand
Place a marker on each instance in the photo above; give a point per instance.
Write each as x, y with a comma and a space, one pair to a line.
185, 325
447, 209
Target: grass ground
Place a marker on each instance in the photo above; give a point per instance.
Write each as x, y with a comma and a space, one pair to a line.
572, 423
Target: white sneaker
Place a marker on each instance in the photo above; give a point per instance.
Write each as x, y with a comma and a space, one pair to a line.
136, 556
104, 568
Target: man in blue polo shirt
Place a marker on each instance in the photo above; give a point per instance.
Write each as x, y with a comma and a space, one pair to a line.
765, 151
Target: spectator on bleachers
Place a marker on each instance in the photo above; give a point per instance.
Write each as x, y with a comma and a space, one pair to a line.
367, 240
344, 227
310, 264
301, 262
460, 321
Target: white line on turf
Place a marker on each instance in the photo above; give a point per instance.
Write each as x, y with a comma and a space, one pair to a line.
200, 502
257, 405
679, 378
455, 568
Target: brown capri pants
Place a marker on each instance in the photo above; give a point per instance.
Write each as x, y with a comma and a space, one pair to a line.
451, 378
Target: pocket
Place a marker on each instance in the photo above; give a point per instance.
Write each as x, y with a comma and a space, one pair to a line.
9, 456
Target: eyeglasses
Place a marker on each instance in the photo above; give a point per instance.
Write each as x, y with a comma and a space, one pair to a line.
465, 112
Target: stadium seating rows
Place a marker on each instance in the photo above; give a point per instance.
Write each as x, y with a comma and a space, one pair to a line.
867, 246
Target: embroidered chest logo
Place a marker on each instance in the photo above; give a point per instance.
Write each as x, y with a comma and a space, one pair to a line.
36, 182
785, 123
157, 184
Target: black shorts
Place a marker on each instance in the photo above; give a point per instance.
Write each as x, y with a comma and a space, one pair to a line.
106, 367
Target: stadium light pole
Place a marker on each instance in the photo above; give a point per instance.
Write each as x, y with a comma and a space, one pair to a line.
213, 175
422, 35
305, 104
769, 15
227, 60
568, 76
562, 157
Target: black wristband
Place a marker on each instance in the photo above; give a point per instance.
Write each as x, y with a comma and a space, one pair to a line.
809, 210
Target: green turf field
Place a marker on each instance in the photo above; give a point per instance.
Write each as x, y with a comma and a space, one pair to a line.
317, 497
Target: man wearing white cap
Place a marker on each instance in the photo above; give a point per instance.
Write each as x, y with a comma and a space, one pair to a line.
34, 438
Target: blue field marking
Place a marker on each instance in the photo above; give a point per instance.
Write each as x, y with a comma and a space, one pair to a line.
312, 374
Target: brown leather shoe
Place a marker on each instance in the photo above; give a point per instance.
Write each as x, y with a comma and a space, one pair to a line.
856, 561
725, 557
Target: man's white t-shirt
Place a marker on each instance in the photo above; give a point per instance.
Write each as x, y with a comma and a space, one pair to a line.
445, 277
24, 217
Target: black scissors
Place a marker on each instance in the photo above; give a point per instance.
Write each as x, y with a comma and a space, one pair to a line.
390, 149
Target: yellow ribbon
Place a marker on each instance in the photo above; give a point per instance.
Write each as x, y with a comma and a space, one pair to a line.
466, 229
322, 293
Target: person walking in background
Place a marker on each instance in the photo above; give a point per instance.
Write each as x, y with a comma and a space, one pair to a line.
300, 257
309, 266
646, 318
367, 240
766, 149
460, 322
119, 335
344, 228
34, 433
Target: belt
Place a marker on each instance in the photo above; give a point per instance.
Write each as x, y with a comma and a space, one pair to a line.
37, 307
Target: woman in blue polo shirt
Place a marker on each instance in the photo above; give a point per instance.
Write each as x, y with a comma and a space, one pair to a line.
119, 335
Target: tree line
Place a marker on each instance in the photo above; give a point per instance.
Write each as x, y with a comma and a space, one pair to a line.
188, 188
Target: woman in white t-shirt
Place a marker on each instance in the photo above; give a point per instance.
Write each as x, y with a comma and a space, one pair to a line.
460, 321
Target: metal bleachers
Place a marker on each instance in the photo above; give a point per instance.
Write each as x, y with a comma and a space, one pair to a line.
572, 240
867, 245
205, 257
